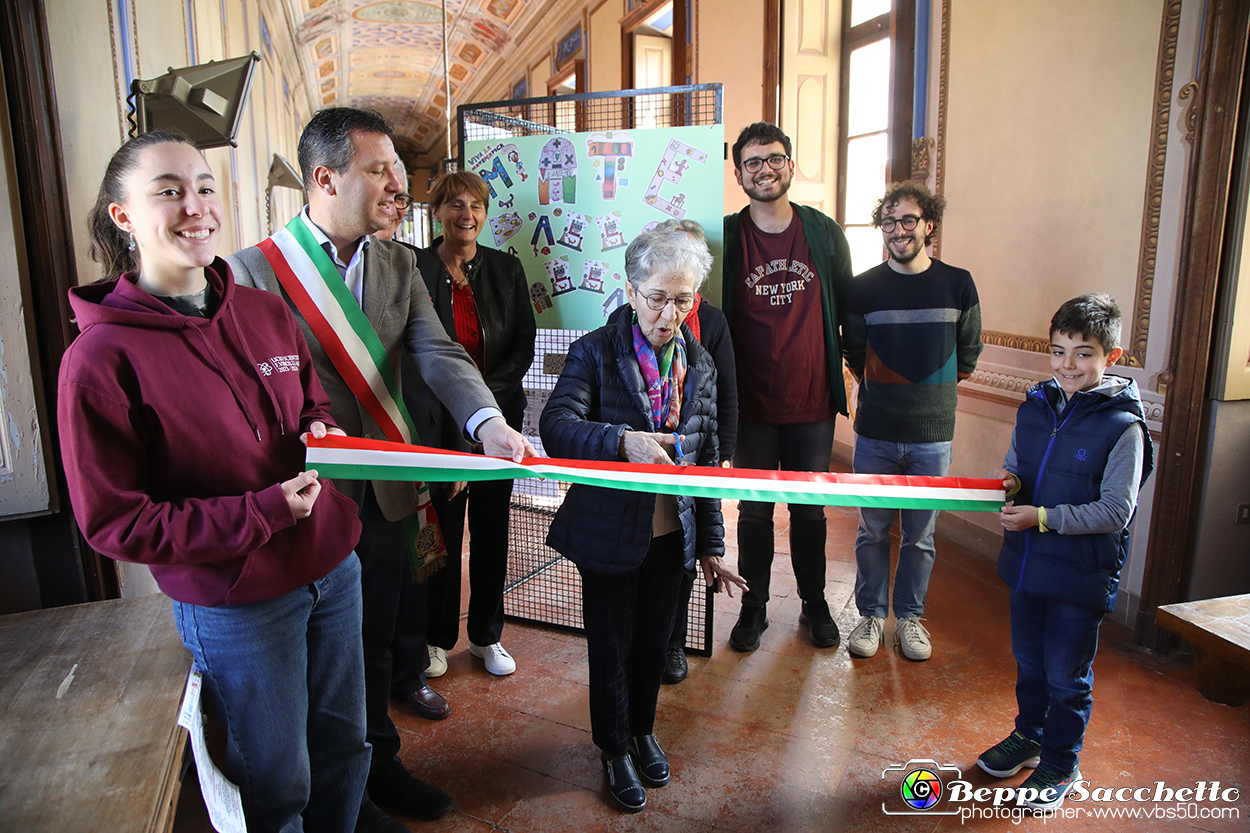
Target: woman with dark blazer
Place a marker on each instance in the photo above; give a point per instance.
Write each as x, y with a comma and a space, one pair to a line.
482, 299
640, 389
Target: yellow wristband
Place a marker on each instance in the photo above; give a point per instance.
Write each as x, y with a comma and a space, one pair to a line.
1041, 519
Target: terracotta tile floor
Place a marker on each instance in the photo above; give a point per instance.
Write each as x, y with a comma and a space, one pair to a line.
792, 738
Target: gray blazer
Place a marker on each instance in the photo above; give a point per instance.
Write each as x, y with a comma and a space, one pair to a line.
398, 306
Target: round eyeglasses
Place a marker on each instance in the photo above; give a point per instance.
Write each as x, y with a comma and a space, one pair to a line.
402, 201
756, 163
658, 301
907, 221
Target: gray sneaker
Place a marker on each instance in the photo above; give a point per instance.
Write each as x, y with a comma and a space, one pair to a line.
867, 636
913, 639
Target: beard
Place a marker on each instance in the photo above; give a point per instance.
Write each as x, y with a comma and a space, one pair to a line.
909, 254
783, 186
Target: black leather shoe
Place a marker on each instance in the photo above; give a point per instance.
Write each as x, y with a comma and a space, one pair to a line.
675, 669
409, 795
817, 617
650, 760
427, 703
623, 782
372, 819
752, 622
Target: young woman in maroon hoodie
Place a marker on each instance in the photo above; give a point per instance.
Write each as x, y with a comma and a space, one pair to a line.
181, 407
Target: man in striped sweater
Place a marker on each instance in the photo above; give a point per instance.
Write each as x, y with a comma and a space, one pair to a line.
912, 332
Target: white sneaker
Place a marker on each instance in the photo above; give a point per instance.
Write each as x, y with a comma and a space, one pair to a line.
498, 661
438, 662
867, 636
913, 639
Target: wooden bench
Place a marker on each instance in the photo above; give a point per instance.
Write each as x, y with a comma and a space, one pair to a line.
89, 700
1219, 631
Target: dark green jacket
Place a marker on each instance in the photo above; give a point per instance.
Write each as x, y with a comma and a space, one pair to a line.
832, 257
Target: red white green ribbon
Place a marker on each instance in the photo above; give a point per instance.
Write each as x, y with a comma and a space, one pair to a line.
314, 284
359, 459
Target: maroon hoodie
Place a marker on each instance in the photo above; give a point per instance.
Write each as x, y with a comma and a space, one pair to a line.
177, 431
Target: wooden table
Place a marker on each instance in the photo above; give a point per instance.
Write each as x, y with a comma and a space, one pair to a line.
89, 700
1219, 631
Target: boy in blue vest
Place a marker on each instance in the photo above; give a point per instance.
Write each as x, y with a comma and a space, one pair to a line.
1079, 453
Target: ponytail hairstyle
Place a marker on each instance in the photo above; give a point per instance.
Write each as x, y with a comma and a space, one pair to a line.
110, 246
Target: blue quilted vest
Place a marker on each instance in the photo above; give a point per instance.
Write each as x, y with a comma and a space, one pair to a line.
1061, 460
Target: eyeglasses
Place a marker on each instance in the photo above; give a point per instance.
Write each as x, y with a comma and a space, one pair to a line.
658, 301
756, 163
907, 221
402, 201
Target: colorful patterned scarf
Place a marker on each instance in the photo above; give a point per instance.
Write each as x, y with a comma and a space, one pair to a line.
665, 376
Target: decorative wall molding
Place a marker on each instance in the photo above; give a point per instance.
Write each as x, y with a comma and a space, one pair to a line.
1135, 346
1031, 344
921, 159
939, 151
1190, 116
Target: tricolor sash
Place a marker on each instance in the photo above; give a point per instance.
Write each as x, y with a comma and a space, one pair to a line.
353, 457
314, 284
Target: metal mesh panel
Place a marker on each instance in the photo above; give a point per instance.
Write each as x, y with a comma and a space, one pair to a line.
542, 586
693, 104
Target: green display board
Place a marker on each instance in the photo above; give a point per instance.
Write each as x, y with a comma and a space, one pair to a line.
567, 205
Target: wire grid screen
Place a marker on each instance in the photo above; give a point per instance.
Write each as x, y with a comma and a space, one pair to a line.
695, 104
542, 586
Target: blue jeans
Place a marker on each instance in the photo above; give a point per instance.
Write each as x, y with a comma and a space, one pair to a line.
872, 544
286, 679
799, 447
1054, 646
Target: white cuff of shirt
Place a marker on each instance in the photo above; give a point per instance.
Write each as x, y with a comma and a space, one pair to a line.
480, 416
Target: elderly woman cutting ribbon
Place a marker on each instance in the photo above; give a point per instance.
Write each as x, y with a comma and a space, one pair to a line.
640, 389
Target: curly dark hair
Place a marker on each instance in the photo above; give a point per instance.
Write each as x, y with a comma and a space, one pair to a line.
327, 138
931, 205
1094, 316
760, 133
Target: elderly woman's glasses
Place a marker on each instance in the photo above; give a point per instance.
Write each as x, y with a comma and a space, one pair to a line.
756, 163
907, 221
402, 201
658, 301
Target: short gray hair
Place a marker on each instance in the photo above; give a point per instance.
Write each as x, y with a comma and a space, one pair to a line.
671, 248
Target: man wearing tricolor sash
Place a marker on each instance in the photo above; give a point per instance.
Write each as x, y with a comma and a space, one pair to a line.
361, 303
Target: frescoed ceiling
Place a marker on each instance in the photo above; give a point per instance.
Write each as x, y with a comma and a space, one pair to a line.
388, 55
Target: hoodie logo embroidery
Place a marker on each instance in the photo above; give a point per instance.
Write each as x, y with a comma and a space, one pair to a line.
279, 364
1082, 455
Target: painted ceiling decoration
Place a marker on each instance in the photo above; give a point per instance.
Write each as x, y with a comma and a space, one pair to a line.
388, 55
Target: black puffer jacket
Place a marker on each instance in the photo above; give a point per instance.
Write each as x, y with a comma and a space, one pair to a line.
599, 396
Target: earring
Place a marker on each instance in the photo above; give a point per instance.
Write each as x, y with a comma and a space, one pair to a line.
131, 247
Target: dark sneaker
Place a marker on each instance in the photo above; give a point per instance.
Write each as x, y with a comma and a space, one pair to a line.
817, 617
675, 669
1052, 787
752, 622
1007, 757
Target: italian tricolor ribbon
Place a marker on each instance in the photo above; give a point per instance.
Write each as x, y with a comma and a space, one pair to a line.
355, 458
314, 285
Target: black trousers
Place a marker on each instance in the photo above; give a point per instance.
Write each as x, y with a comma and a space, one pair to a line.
488, 505
799, 447
409, 655
628, 619
383, 571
